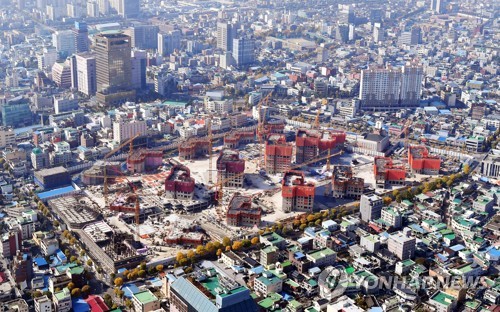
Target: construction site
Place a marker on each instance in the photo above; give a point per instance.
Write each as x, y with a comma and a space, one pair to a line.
207, 188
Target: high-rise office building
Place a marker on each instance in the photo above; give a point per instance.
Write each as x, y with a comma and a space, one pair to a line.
138, 68
370, 207
113, 60
226, 32
390, 88
169, 42
378, 32
342, 33
113, 68
64, 42
129, 8
81, 37
243, 51
86, 82
144, 36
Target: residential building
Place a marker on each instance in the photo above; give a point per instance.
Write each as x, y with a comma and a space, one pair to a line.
62, 300
370, 207
443, 302
241, 211
179, 184
145, 301
268, 255
7, 137
230, 168
345, 184
421, 162
169, 42
226, 32
402, 244
392, 218
126, 129
268, 283
43, 304
490, 165
216, 103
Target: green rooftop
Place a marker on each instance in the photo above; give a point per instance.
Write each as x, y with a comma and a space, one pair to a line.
76, 270
443, 298
321, 253
145, 297
212, 285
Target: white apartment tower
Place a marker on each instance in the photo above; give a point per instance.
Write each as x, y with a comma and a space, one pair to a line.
123, 130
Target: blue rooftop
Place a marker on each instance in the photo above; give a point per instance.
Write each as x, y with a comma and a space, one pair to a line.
56, 192
130, 289
40, 262
79, 305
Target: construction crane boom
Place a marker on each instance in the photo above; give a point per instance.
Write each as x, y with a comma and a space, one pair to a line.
210, 147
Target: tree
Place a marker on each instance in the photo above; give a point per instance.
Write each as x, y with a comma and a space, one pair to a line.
246, 243
76, 292
237, 245
86, 289
191, 256
128, 303
82, 253
466, 169
159, 268
228, 248
55, 223
48, 294
73, 259
71, 285
89, 262
108, 300
219, 252
142, 273
36, 294
226, 241
317, 222
118, 281
255, 240
143, 266
387, 200
303, 227
180, 255
200, 250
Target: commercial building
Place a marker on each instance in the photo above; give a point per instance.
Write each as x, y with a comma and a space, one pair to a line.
65, 104
243, 212
230, 168
402, 244
388, 173
16, 113
244, 51
421, 162
138, 69
391, 88
225, 35
278, 154
144, 36
11, 242
370, 207
345, 184
22, 268
81, 37
52, 178
313, 143
144, 160
86, 81
179, 184
169, 42
64, 42
297, 194
207, 291
216, 103
126, 129
113, 67
193, 148
490, 165
128, 8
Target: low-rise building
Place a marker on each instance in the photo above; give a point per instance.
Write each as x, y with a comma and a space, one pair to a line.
145, 301
268, 283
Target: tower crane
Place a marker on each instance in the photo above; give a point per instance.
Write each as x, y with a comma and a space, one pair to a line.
210, 147
260, 126
128, 141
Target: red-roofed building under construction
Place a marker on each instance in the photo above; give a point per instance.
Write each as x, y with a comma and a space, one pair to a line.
179, 184
312, 143
242, 211
297, 194
421, 162
386, 172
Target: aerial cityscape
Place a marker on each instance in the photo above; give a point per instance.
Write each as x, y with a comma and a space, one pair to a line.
240, 156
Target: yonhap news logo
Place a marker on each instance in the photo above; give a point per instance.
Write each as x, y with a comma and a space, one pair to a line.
332, 281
